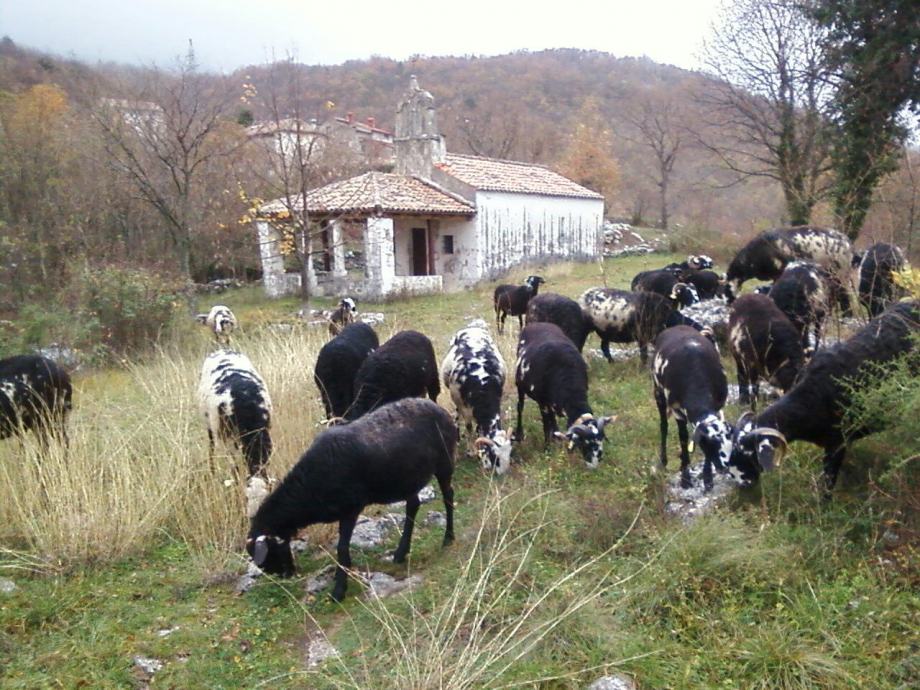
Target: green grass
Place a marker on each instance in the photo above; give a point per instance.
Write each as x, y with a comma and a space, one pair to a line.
558, 575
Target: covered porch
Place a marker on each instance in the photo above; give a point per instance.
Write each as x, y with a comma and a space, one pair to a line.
375, 236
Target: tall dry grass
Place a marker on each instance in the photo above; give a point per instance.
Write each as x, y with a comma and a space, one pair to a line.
136, 467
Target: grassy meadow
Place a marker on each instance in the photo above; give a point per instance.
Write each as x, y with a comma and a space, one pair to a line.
129, 544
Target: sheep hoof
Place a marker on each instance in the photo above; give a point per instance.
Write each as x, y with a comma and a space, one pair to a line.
399, 557
686, 483
448, 540
337, 595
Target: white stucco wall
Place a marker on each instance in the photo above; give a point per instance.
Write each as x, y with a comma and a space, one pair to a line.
518, 228
458, 269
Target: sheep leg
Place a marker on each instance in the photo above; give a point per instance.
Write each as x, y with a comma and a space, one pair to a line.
519, 430
501, 325
447, 493
744, 392
343, 555
643, 354
412, 504
211, 449
685, 481
605, 348
549, 424
755, 392
663, 425
833, 459
707, 475
520, 322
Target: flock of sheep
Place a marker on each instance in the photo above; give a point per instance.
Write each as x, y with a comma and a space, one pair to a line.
384, 442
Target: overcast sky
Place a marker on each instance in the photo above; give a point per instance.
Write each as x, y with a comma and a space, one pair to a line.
231, 33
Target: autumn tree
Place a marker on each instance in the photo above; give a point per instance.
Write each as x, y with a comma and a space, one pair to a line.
874, 53
656, 123
589, 158
300, 153
768, 103
163, 138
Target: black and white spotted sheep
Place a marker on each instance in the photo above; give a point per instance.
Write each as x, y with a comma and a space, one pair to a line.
877, 288
621, 316
804, 292
690, 384
388, 455
814, 409
474, 372
552, 372
565, 312
765, 256
694, 262
35, 395
337, 365
403, 367
765, 344
220, 320
237, 409
345, 314
513, 299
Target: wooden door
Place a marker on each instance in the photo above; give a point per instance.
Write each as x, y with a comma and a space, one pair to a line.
419, 251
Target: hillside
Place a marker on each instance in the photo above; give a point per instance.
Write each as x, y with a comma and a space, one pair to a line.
522, 106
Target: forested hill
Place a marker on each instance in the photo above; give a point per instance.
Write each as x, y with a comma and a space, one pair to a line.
523, 106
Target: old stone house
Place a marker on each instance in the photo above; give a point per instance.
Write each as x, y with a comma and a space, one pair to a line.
441, 221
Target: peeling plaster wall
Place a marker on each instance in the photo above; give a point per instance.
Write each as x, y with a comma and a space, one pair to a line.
459, 269
521, 228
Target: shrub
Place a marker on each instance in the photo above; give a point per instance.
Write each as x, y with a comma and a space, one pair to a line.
125, 309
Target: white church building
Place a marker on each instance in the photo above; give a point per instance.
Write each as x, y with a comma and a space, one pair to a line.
441, 221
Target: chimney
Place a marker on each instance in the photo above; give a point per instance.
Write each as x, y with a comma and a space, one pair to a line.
349, 117
372, 122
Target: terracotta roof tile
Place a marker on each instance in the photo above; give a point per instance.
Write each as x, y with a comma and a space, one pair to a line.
491, 174
384, 192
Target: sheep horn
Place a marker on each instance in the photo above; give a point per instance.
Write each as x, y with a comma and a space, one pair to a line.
483, 441
333, 421
772, 433
584, 418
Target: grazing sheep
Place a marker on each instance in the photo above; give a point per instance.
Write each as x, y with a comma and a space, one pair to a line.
386, 456
620, 316
403, 367
708, 284
551, 371
765, 345
513, 299
220, 320
236, 407
562, 311
813, 410
337, 366
765, 256
474, 372
345, 314
876, 287
667, 283
694, 262
690, 384
803, 293
235, 404
35, 395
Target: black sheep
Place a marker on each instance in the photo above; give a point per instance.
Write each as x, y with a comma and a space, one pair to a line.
403, 367
551, 371
690, 384
668, 284
876, 286
513, 299
562, 311
708, 284
620, 316
337, 366
386, 456
814, 409
804, 293
35, 395
765, 345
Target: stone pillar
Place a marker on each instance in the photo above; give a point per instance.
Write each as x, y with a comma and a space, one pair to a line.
379, 255
338, 250
273, 278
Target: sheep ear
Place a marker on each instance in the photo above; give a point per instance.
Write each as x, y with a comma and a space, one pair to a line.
604, 421
201, 318
260, 552
559, 436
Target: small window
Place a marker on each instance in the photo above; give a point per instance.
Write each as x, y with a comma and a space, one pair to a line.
448, 244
